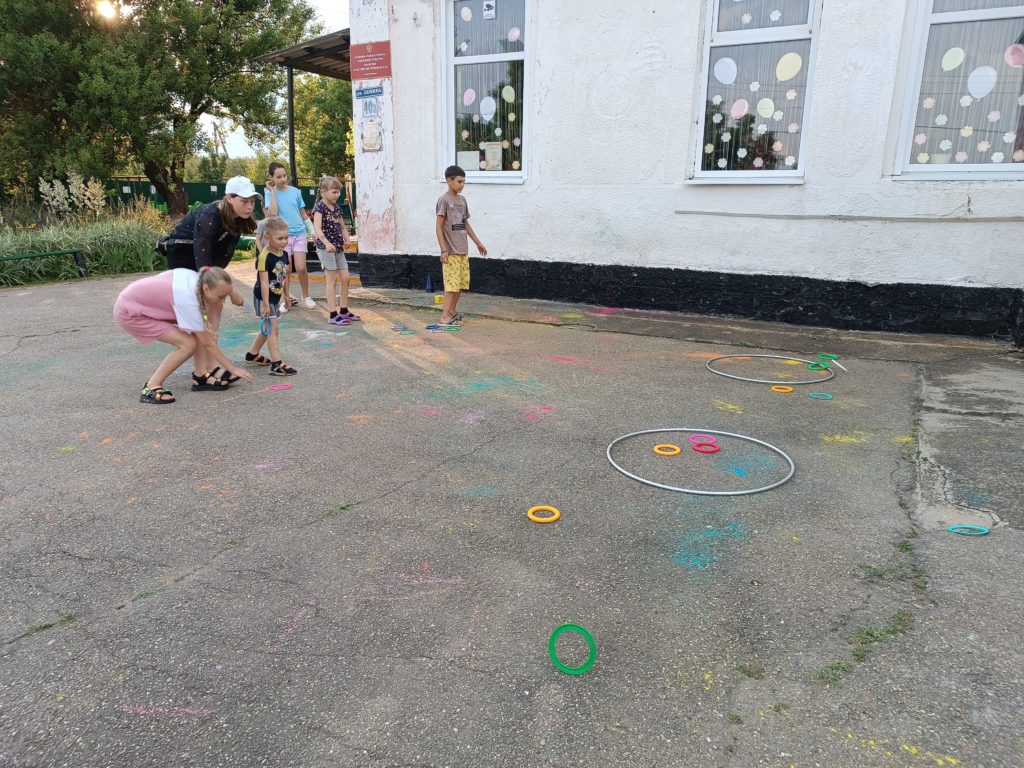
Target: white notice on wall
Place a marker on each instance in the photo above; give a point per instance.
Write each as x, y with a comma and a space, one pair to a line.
490, 8
492, 155
469, 160
126, 190
371, 136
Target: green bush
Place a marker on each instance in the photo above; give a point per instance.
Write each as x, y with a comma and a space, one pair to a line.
110, 246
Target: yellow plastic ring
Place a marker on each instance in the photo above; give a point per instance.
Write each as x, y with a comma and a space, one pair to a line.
532, 514
782, 388
667, 449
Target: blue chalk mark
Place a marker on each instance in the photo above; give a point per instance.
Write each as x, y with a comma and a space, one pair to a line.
699, 549
740, 471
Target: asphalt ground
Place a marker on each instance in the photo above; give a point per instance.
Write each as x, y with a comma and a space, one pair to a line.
343, 573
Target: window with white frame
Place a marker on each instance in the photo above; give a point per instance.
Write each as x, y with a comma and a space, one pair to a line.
757, 62
486, 80
967, 113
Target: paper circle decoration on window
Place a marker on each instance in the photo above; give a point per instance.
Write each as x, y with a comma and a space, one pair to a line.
476, 118
463, 47
755, 87
1009, 137
775, 15
741, 153
716, 118
746, 18
777, 146
923, 157
511, 117
967, 131
945, 145
928, 102
994, 115
1014, 56
722, 162
483, 166
961, 157
789, 66
505, 144
790, 161
709, 148
466, 13
952, 59
998, 157
981, 82
984, 146
1018, 156
740, 107
514, 34
794, 127
515, 165
762, 129
508, 93
488, 106
941, 120
716, 99
726, 137
725, 71
777, 116
758, 162
791, 95
766, 108
920, 139
517, 141
966, 101
469, 96
497, 131
465, 134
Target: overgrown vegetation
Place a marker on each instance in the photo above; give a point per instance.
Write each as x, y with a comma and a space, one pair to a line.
832, 674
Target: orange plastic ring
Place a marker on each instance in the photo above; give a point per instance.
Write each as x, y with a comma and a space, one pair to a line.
667, 449
532, 514
782, 388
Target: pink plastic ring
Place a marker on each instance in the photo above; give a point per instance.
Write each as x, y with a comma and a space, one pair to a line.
280, 387
699, 438
706, 448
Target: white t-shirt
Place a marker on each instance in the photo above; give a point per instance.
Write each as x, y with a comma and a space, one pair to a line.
186, 303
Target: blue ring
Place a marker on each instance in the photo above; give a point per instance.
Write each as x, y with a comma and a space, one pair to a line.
265, 326
819, 395
968, 530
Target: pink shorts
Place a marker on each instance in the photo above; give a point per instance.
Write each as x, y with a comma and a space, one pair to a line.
297, 244
139, 322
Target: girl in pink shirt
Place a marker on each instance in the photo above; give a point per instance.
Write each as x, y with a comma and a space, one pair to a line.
172, 307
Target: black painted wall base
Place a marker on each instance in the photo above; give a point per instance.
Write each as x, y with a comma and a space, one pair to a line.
904, 307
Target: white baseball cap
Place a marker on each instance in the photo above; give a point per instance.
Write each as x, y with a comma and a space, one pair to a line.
241, 186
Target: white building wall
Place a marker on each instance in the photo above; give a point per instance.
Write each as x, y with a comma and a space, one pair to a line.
611, 128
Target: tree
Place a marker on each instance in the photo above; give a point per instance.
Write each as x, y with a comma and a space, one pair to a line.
133, 88
323, 112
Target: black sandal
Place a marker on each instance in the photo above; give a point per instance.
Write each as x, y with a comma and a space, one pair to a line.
202, 383
157, 395
256, 359
224, 375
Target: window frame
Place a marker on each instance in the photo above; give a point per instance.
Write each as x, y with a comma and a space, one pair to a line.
903, 169
475, 175
715, 39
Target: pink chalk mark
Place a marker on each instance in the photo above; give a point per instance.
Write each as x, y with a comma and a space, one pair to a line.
429, 412
607, 311
564, 359
474, 418
193, 711
289, 630
534, 415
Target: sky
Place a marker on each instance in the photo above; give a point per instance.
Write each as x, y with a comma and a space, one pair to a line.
334, 15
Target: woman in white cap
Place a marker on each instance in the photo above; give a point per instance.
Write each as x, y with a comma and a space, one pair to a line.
206, 237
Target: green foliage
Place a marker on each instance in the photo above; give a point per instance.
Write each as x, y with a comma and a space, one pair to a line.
832, 674
323, 111
110, 247
86, 93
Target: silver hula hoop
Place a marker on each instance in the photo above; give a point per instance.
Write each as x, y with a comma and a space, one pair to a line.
831, 373
769, 446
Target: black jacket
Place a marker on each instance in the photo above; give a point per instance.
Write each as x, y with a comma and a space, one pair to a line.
200, 240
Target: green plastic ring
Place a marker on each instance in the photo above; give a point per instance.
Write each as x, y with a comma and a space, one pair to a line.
827, 356
817, 366
591, 657
819, 395
406, 333
452, 328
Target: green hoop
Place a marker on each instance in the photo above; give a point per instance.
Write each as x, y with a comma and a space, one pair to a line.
591, 657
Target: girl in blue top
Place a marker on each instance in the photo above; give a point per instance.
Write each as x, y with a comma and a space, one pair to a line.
282, 199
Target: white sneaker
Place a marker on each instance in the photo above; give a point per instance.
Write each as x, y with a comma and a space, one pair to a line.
309, 303
283, 307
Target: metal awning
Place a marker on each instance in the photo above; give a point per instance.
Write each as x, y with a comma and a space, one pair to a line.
327, 55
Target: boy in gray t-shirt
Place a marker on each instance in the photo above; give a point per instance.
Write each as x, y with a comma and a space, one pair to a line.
453, 234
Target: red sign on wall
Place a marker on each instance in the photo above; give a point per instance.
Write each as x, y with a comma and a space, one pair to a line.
370, 60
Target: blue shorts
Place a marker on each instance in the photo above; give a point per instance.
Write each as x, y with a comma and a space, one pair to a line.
275, 307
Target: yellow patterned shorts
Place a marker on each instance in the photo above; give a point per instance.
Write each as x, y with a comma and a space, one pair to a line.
456, 273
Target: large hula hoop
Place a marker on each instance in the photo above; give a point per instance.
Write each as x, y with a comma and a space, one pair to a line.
792, 466
831, 373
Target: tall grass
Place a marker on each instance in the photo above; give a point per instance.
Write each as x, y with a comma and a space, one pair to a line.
111, 246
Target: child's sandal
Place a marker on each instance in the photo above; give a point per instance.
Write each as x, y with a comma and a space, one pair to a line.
281, 369
222, 375
256, 359
157, 395
203, 384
